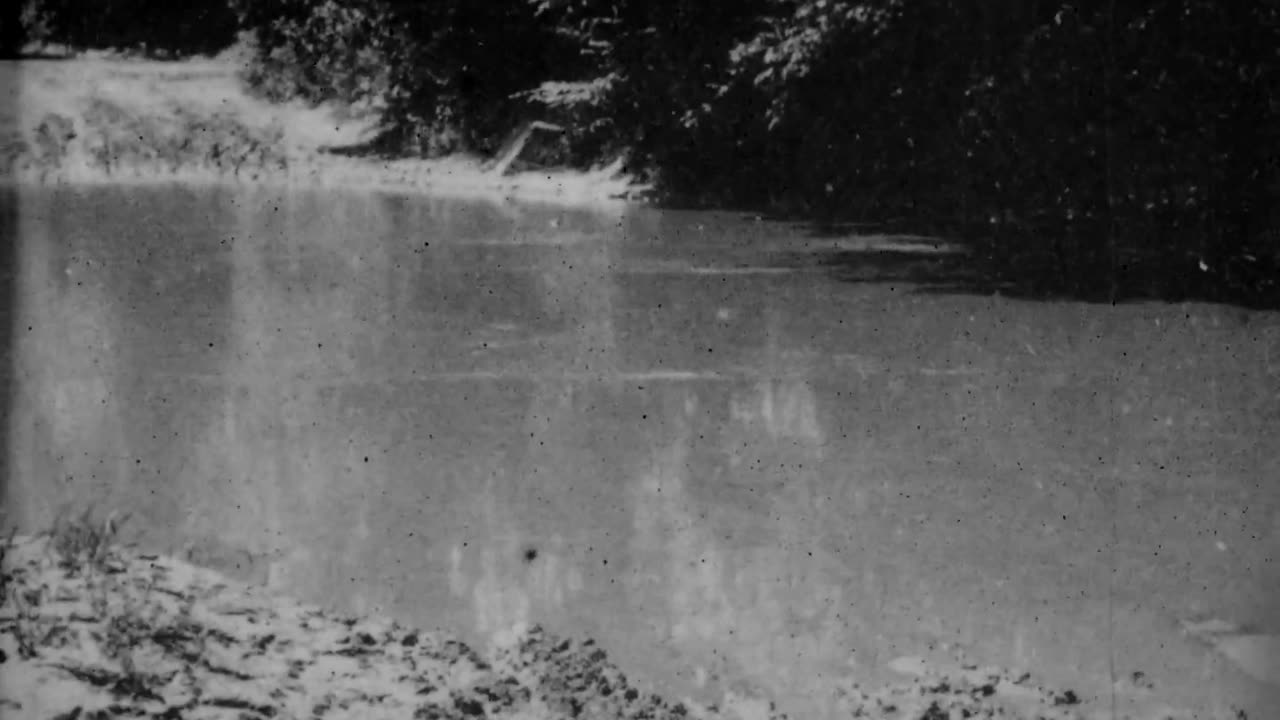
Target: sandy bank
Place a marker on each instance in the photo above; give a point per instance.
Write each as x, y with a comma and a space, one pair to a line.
100, 120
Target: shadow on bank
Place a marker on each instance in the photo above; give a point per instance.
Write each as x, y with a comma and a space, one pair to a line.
1029, 268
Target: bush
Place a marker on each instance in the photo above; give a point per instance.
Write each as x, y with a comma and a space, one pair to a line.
13, 30
319, 51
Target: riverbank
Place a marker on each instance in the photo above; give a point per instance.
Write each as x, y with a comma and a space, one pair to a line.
93, 629
130, 634
99, 119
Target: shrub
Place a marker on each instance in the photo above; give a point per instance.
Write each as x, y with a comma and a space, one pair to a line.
82, 544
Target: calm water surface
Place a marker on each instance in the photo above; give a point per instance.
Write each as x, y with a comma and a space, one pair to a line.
658, 429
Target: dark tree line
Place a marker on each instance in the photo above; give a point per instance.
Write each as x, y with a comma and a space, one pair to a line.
1077, 136
154, 27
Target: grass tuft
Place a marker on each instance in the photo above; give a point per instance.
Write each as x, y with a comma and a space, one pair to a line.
83, 544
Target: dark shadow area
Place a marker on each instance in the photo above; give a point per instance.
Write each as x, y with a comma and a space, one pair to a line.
13, 33
384, 146
144, 28
1054, 271
524, 149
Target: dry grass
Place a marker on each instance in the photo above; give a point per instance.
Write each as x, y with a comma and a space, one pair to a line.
82, 543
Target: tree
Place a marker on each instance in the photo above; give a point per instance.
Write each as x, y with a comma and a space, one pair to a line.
154, 26
1075, 139
13, 31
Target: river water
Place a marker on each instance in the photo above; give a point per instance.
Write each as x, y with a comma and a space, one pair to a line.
677, 433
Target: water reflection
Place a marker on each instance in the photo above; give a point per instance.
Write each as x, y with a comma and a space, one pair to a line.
725, 531
68, 369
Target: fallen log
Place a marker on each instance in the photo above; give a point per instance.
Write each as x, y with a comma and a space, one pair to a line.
510, 150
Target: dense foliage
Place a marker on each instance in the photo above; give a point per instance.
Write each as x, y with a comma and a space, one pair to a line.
13, 33
155, 27
319, 51
1066, 135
